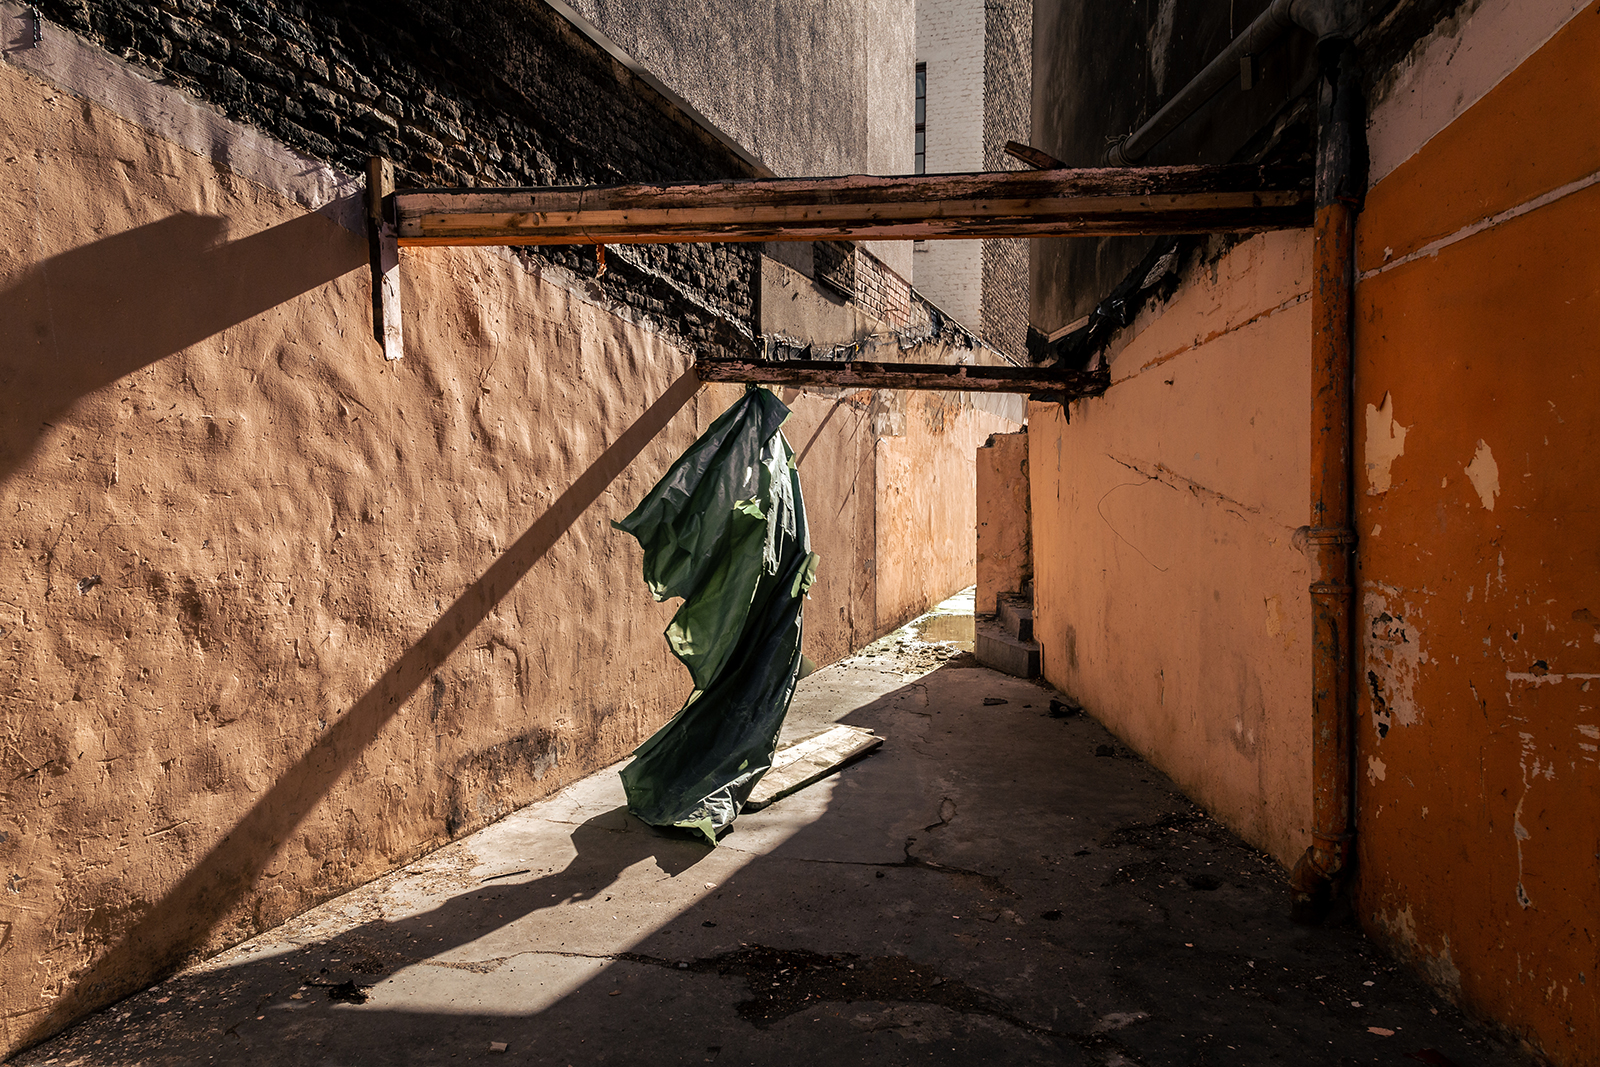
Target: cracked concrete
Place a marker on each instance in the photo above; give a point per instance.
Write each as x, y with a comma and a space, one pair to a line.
997, 883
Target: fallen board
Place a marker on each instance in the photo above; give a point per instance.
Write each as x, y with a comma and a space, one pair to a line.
798, 765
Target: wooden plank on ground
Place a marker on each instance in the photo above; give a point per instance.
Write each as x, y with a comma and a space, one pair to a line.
811, 760
1096, 202
862, 374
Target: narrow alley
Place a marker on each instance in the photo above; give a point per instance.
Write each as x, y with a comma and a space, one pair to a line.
1002, 881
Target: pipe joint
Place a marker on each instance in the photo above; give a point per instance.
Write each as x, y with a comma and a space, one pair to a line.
1328, 19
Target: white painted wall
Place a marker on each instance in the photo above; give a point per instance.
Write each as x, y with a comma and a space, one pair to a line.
1452, 68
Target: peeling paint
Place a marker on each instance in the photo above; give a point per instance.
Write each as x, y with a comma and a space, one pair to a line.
1375, 769
1546, 678
1386, 442
1484, 474
1440, 966
1394, 654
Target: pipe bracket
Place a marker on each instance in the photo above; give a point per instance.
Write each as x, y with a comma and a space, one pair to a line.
1330, 535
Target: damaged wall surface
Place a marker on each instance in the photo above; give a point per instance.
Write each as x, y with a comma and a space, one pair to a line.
1171, 591
1170, 595
278, 616
1477, 766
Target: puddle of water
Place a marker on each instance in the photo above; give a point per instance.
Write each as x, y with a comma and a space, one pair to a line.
943, 628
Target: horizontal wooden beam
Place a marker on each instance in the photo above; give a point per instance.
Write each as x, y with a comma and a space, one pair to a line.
1058, 384
1043, 203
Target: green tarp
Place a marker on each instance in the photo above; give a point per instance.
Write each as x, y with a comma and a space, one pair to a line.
725, 529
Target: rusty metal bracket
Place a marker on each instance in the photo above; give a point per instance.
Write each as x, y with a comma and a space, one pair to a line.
385, 251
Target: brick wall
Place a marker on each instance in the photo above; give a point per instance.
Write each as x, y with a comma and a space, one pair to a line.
487, 93
1007, 116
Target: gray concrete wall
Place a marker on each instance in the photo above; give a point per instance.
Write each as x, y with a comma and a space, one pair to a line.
811, 89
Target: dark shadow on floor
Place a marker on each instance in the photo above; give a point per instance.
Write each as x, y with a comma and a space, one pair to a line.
180, 922
1029, 893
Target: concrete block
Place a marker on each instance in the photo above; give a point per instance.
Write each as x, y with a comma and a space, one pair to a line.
997, 649
1016, 617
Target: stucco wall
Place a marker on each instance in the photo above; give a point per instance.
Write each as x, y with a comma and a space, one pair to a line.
1476, 387
275, 615
455, 92
278, 615
927, 502
1169, 595
1005, 525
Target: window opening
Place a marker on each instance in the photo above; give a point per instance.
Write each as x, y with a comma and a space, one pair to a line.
922, 119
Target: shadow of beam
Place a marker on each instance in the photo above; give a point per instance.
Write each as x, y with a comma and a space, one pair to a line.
178, 924
80, 320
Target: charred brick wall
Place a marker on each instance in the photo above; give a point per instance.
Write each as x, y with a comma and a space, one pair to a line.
485, 93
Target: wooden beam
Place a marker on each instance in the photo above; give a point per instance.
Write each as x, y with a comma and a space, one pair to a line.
387, 321
1058, 384
1033, 157
1097, 202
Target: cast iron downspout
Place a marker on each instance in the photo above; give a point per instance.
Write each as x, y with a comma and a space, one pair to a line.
1341, 183
1327, 19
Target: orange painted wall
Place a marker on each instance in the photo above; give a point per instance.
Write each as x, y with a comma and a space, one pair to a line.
1169, 591
1005, 527
1478, 411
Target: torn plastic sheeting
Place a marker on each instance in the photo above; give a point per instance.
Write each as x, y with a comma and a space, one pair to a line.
726, 530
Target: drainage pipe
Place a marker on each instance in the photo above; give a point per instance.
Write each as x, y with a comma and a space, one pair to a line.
1341, 182
1327, 19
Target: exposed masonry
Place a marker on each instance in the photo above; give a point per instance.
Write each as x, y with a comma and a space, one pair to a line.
1007, 116
457, 94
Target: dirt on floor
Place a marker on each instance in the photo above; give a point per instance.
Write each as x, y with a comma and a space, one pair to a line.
1003, 881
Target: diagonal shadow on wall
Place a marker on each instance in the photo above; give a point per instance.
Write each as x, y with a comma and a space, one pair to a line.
178, 924
78, 321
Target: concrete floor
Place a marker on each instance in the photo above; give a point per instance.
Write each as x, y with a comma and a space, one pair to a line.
994, 885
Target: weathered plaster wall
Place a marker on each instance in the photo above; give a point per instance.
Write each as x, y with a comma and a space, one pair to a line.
1169, 595
1005, 525
278, 615
926, 500
455, 92
275, 615
1477, 737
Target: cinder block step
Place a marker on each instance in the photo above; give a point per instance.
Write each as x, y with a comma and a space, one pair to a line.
1016, 617
998, 649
